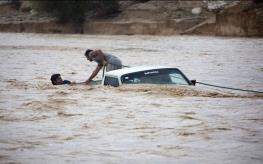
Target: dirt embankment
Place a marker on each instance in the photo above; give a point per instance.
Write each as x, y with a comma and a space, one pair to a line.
150, 17
237, 19
240, 20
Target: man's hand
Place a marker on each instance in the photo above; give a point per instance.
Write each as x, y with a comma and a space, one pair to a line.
73, 83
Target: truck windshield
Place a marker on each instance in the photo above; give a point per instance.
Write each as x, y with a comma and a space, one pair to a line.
157, 76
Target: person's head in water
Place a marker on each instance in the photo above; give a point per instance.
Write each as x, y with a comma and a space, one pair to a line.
88, 54
57, 80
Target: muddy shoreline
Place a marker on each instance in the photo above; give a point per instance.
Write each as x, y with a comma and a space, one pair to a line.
108, 28
210, 27
236, 19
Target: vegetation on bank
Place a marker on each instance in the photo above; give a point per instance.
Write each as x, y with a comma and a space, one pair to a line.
76, 11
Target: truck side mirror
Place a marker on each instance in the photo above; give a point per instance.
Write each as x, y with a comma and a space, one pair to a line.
193, 82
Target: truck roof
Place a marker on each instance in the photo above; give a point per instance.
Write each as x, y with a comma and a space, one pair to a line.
120, 72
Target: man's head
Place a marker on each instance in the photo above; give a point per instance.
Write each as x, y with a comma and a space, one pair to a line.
88, 54
56, 79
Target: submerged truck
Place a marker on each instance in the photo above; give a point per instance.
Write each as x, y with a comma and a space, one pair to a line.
146, 75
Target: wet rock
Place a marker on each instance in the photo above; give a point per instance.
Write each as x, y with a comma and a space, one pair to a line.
215, 5
25, 6
196, 11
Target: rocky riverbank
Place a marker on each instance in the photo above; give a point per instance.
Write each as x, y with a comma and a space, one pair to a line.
149, 18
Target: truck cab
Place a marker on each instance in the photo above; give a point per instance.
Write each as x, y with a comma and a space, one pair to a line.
146, 75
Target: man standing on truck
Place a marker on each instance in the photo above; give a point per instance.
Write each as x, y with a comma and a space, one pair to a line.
103, 60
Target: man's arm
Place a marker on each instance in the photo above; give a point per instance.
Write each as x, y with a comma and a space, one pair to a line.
94, 73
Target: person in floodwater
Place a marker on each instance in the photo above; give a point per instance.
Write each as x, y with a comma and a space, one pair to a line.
104, 60
57, 80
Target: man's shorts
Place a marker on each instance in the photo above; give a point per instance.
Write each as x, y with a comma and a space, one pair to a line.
113, 64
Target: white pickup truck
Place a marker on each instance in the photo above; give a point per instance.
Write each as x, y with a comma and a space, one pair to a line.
146, 75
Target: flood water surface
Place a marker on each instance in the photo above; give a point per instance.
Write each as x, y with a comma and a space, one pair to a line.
42, 123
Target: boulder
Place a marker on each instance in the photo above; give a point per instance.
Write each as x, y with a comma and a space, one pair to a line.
196, 11
26, 6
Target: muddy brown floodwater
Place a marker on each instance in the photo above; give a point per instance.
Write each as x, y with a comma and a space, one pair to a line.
41, 123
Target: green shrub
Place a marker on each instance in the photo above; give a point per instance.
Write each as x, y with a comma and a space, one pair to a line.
104, 7
74, 10
15, 3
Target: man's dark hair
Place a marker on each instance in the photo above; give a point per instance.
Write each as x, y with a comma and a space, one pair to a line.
54, 78
87, 52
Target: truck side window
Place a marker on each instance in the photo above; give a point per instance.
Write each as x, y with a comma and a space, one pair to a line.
155, 76
111, 81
